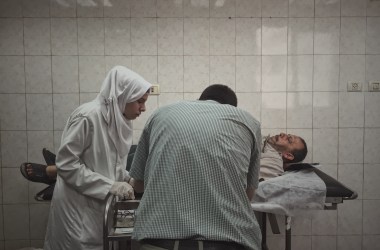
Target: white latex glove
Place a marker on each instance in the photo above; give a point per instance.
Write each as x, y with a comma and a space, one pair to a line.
123, 190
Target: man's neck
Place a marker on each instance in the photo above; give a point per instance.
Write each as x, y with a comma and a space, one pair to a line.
274, 146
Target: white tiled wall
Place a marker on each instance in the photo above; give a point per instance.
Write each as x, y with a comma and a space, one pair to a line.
288, 60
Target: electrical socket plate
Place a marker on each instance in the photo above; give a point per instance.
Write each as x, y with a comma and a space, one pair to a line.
354, 86
155, 89
374, 86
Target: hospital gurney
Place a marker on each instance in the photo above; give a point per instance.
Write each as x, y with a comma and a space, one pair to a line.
115, 236
334, 193
118, 223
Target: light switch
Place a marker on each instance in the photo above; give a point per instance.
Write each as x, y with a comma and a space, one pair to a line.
155, 89
374, 86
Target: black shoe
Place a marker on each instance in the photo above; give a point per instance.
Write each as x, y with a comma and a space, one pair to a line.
49, 157
45, 194
38, 173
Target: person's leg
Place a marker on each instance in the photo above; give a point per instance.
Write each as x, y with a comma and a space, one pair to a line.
37, 173
50, 171
41, 173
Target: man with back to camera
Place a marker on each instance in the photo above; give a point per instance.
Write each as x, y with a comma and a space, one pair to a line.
198, 164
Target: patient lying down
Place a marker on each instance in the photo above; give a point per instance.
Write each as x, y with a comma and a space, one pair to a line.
292, 192
278, 152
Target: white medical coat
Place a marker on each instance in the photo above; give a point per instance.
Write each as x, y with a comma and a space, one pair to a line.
88, 165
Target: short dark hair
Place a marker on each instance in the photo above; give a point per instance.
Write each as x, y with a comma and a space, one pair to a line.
220, 93
299, 154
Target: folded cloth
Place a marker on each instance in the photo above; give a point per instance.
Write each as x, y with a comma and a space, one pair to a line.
292, 193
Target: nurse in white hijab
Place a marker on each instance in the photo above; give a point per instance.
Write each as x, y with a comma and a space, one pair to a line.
91, 161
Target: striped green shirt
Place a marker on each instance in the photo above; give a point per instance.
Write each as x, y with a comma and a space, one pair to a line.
196, 159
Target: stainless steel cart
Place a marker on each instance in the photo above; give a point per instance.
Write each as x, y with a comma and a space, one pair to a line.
114, 236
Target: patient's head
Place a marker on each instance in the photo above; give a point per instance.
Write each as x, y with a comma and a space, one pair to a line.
292, 147
220, 93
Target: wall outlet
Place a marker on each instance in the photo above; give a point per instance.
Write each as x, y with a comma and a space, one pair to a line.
374, 86
155, 89
354, 86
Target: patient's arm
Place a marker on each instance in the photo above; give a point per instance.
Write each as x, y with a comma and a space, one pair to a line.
137, 185
250, 193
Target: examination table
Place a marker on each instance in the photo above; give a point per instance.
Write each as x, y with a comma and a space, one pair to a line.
334, 193
118, 223
117, 234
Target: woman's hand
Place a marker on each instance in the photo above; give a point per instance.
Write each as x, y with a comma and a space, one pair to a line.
123, 190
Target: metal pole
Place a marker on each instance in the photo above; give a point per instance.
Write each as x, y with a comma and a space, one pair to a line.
288, 233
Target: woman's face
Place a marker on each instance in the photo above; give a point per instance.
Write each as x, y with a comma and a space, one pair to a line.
133, 109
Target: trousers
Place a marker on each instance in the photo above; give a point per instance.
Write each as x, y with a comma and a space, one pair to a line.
163, 244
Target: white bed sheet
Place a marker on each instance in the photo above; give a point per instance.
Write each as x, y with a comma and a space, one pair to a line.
293, 193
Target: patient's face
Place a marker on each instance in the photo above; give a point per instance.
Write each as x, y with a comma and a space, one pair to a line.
286, 142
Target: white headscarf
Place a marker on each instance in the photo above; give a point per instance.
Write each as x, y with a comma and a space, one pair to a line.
121, 86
